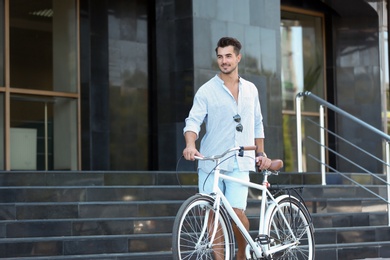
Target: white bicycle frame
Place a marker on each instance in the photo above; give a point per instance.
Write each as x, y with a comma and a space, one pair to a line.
257, 248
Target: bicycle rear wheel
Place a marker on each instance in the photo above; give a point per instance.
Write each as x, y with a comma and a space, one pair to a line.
299, 220
190, 235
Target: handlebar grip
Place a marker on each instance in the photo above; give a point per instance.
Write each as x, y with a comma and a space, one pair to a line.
249, 148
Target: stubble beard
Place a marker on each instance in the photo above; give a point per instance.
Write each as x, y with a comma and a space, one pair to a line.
228, 70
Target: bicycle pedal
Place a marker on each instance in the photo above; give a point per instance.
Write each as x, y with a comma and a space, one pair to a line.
263, 239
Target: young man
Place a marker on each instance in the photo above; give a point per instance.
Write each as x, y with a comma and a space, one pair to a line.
230, 108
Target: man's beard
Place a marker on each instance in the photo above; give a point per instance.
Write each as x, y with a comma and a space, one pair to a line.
228, 71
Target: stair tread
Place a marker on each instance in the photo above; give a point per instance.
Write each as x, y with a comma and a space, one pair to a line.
90, 237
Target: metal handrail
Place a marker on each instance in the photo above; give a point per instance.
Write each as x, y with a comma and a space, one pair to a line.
343, 113
323, 147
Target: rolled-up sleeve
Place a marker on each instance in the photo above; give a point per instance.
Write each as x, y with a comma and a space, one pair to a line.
259, 127
197, 114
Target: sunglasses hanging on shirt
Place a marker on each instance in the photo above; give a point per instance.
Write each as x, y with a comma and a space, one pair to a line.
237, 119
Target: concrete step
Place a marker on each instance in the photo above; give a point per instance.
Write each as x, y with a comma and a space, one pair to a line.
21, 194
71, 210
126, 209
85, 227
318, 198
351, 220
116, 225
347, 235
354, 251
109, 246
161, 224
154, 243
104, 178
113, 256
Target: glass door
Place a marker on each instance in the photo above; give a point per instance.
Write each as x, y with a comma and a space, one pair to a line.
41, 86
302, 46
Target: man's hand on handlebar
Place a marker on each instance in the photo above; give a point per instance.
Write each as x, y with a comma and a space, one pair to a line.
263, 163
190, 152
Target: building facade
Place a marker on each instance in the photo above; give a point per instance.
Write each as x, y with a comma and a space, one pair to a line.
106, 85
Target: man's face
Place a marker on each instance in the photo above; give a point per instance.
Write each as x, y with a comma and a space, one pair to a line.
227, 59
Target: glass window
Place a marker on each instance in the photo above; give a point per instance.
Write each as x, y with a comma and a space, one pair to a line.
2, 44
43, 133
128, 75
2, 137
43, 60
302, 70
43, 45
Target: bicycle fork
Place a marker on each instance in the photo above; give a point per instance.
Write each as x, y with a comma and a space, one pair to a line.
212, 227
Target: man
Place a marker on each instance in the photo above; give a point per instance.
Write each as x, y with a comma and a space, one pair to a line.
230, 108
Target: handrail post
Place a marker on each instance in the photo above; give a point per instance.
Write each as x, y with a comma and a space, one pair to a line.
388, 180
299, 131
322, 140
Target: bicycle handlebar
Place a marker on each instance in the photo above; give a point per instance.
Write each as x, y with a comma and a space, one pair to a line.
275, 164
238, 148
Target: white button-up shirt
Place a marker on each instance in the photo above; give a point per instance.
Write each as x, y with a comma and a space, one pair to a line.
215, 106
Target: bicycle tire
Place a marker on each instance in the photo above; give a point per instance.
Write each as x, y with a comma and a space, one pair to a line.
300, 222
187, 242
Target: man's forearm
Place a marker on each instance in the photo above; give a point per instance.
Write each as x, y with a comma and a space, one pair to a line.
259, 146
190, 138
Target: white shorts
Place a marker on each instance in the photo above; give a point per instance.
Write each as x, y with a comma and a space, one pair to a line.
235, 193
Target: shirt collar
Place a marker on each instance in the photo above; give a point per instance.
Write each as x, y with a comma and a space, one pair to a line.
221, 81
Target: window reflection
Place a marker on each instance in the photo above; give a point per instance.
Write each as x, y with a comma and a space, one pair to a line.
2, 138
128, 75
302, 56
43, 57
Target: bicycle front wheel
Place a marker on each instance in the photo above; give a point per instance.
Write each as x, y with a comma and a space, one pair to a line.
192, 230
299, 220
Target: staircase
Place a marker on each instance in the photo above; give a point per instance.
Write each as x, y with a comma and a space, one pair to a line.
129, 215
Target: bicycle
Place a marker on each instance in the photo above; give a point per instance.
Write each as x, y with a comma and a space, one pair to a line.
203, 225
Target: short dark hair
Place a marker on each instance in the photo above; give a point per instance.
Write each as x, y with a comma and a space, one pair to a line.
229, 41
